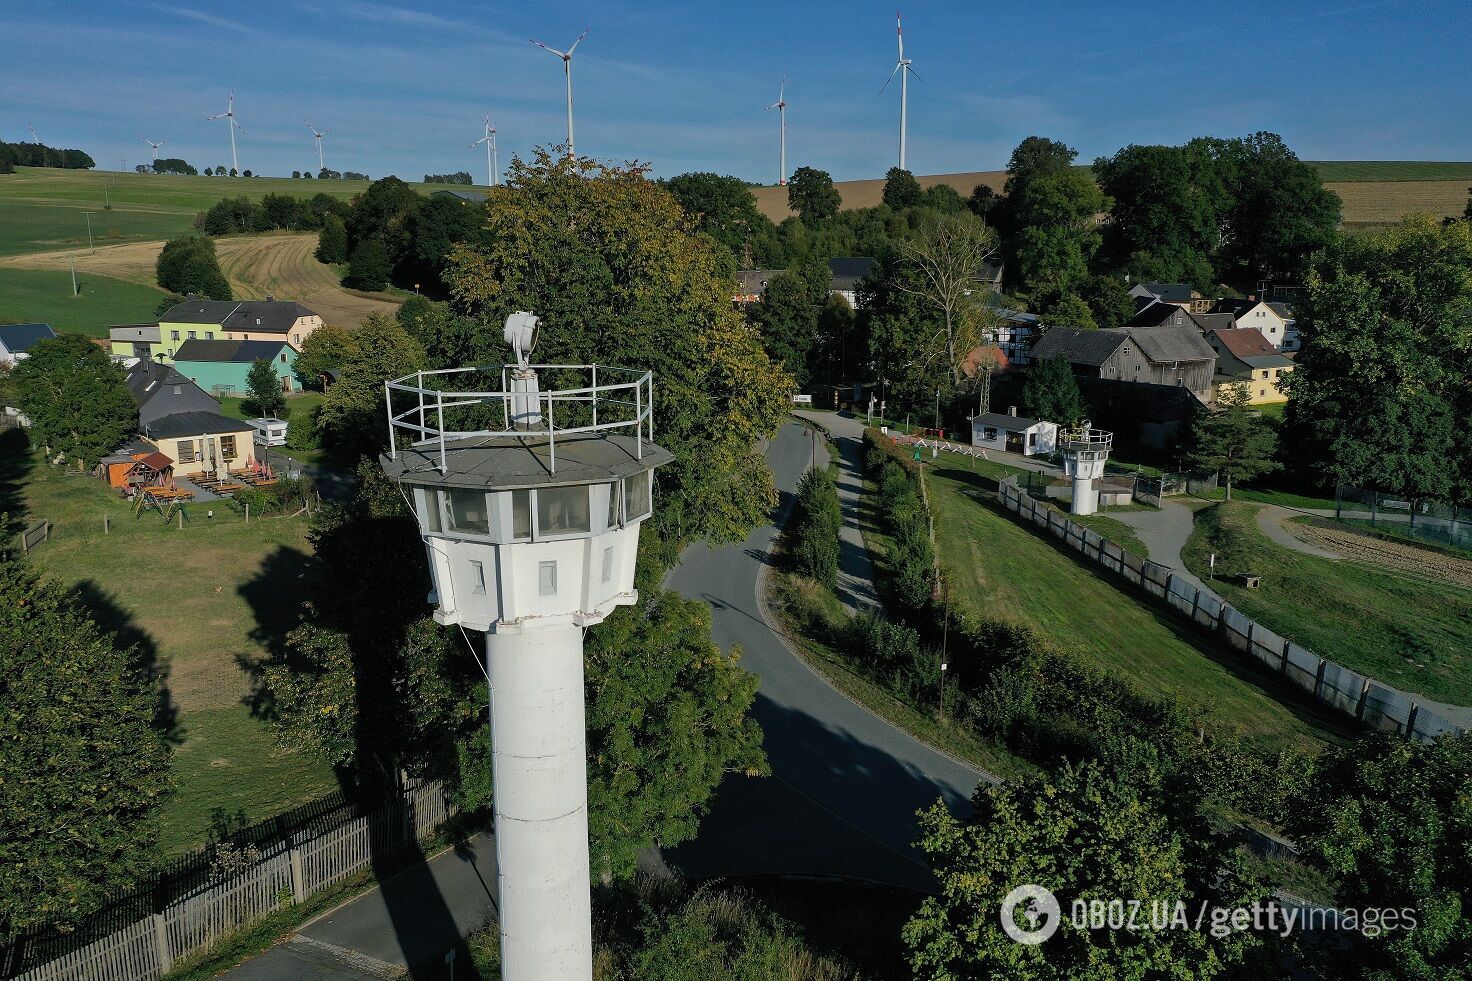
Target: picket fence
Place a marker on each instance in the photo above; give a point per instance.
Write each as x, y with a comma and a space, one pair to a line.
288, 870
1346, 691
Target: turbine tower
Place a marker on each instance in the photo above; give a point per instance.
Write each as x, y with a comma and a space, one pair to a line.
493, 162
781, 106
154, 145
229, 116
566, 70
318, 137
903, 69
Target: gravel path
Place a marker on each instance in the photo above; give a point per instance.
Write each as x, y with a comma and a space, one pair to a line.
1164, 533
1270, 521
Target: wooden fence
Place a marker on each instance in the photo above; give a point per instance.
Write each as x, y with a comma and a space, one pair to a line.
36, 534
326, 850
1346, 691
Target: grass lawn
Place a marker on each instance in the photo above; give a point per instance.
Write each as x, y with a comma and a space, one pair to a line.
1287, 499
1406, 631
1002, 568
298, 407
1272, 410
44, 208
203, 599
1392, 170
1113, 529
28, 295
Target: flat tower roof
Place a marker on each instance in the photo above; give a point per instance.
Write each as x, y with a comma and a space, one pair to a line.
514, 463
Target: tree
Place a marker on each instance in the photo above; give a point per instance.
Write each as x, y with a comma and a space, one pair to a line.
7, 159
434, 229
812, 195
608, 261
1071, 310
722, 207
296, 175
1051, 392
1142, 845
787, 319
325, 349
263, 389
83, 766
383, 211
901, 190
1055, 215
332, 243
948, 255
173, 165
458, 177
1388, 818
188, 266
369, 267
246, 173
1234, 442
1035, 157
814, 527
840, 346
1280, 213
209, 172
983, 202
351, 422
1385, 359
306, 175
1169, 203
75, 397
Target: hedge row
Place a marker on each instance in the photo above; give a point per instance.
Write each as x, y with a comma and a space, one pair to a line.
813, 529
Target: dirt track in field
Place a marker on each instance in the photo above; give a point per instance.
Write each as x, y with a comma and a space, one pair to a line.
280, 265
1390, 555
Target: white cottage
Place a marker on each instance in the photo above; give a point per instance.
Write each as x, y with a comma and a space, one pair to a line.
1013, 433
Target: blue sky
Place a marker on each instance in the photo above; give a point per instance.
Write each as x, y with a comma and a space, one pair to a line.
403, 87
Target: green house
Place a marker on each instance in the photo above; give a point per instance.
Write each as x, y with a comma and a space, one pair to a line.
221, 367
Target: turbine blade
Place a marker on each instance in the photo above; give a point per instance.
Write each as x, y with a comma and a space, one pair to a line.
890, 78
545, 48
218, 115
899, 32
912, 72
578, 41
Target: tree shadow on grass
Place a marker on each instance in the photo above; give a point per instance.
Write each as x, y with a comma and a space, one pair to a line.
15, 468
112, 618
408, 919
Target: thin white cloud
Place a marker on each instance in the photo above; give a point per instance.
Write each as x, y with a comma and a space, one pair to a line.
204, 18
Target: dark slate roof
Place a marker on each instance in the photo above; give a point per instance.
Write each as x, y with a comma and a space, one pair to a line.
755, 280
232, 351
18, 338
194, 424
147, 378
1001, 420
1163, 344
474, 197
275, 316
1157, 315
1215, 321
846, 271
1170, 292
1092, 347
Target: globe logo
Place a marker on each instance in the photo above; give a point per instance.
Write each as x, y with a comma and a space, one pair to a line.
1039, 914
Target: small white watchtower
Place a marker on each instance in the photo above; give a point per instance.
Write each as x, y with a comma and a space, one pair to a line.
1085, 451
529, 502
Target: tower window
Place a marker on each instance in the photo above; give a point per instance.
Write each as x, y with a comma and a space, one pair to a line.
547, 578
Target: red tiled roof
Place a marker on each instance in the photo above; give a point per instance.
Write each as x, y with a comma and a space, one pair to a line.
1244, 342
156, 461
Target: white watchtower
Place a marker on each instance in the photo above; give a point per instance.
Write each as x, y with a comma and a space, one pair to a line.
1085, 450
529, 502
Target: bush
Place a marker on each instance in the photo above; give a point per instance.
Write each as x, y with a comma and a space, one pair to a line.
302, 433
188, 266
286, 496
814, 528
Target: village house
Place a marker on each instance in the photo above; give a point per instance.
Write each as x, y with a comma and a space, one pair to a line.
1173, 356
1177, 294
1246, 360
143, 341
236, 320
16, 340
184, 422
221, 367
1273, 320
845, 274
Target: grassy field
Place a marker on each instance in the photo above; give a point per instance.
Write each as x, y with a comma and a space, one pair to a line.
1002, 568
28, 295
204, 599
1407, 631
43, 209
1392, 170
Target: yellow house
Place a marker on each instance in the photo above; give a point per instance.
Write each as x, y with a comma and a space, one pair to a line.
134, 341
235, 320
1245, 359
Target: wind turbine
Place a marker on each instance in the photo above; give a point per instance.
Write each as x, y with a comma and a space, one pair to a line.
781, 106
902, 66
154, 145
229, 116
493, 162
318, 136
566, 70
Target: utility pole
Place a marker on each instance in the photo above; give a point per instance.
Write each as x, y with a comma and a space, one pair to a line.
90, 246
74, 274
944, 636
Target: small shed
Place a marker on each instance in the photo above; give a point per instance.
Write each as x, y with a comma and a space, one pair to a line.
1013, 433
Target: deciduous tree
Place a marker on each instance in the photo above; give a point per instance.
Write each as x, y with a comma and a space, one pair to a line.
82, 765
948, 256
723, 208
1051, 392
901, 190
369, 267
75, 397
812, 195
352, 422
787, 319
188, 266
263, 389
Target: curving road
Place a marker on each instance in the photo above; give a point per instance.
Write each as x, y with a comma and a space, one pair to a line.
845, 784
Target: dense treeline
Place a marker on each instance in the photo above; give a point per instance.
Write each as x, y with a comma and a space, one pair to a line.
39, 155
189, 266
273, 211
458, 177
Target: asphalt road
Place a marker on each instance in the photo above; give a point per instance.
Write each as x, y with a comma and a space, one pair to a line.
845, 785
